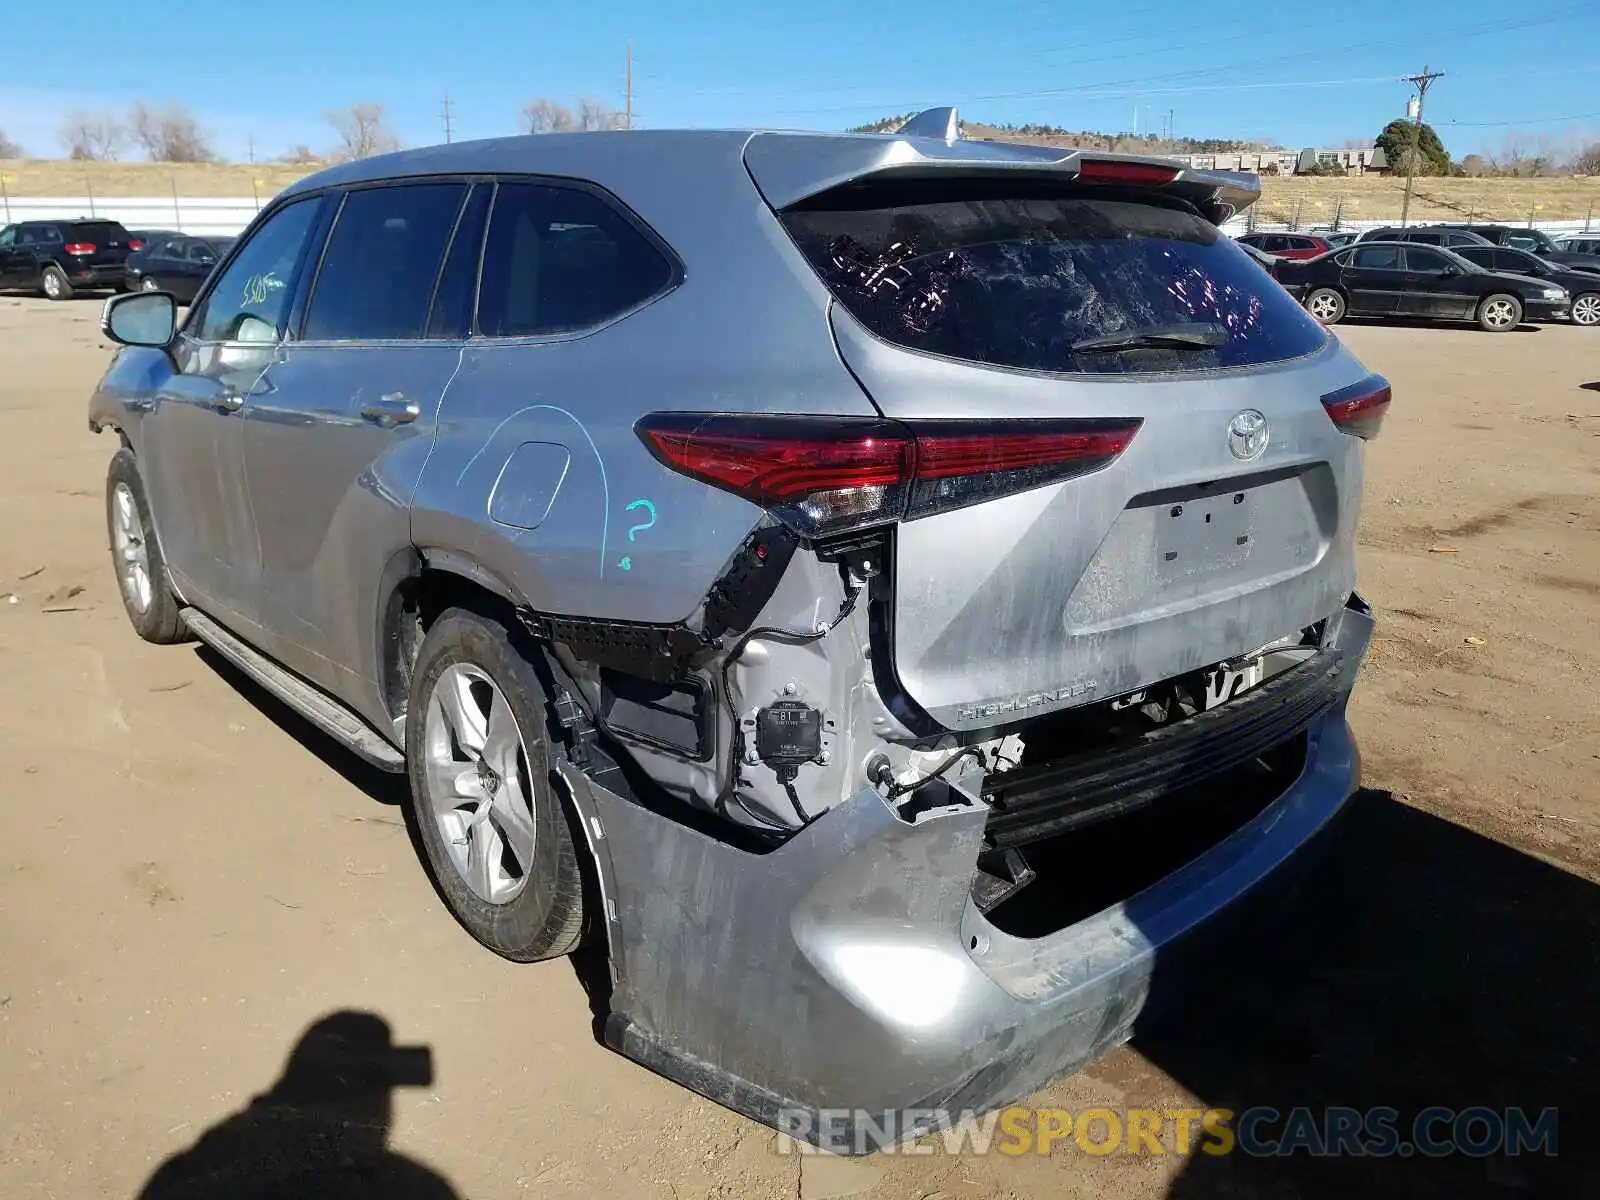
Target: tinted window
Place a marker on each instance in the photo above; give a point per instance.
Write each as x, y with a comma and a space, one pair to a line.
383, 256
99, 233
1274, 244
1481, 255
560, 259
1513, 260
1301, 244
1020, 281
1419, 258
251, 299
7, 236
1376, 258
1426, 239
199, 252
458, 282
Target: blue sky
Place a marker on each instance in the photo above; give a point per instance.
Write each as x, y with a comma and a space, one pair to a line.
1246, 70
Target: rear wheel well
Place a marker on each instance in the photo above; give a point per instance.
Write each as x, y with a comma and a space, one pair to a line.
413, 605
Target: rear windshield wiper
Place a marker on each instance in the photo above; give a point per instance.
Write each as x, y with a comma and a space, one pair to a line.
1166, 337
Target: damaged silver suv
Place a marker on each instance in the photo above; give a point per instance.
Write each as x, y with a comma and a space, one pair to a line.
892, 589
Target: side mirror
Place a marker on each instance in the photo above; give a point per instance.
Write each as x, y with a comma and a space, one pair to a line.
1449, 273
140, 319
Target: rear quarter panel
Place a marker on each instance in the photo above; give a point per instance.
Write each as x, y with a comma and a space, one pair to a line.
602, 529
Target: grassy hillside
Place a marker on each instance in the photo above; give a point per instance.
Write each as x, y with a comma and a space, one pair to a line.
1371, 197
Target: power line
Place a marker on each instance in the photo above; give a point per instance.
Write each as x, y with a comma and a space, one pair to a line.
1421, 82
1530, 121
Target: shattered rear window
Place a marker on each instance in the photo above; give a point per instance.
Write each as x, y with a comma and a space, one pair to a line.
1020, 281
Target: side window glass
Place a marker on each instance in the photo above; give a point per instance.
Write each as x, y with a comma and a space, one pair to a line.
250, 302
1419, 259
8, 237
1380, 258
559, 259
382, 260
458, 282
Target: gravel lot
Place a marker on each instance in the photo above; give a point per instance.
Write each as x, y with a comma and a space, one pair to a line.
190, 877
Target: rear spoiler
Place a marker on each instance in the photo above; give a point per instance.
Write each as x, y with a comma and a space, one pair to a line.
792, 167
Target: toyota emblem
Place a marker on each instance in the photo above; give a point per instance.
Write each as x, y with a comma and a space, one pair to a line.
1247, 434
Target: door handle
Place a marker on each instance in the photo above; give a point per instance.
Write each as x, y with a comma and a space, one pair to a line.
391, 408
228, 402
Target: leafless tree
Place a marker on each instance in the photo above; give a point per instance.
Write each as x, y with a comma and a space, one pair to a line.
546, 116
1587, 160
169, 134
1477, 165
300, 155
95, 137
8, 148
592, 114
362, 132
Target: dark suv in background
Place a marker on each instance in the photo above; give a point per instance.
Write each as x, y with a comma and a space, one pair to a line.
1426, 235
61, 257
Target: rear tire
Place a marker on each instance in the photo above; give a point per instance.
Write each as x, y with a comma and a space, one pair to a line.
1499, 313
1326, 305
147, 597
1586, 308
483, 805
54, 284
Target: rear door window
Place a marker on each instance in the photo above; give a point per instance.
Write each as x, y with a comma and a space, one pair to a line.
1420, 258
559, 259
1033, 281
1376, 258
382, 259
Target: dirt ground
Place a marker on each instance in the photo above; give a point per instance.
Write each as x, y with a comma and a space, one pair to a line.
191, 879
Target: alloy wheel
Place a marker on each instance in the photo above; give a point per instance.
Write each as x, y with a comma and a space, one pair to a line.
133, 558
479, 790
1586, 310
1324, 307
1499, 314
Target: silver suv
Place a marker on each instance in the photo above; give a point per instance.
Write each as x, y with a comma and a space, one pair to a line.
892, 588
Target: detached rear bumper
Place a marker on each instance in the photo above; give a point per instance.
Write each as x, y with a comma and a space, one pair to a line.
843, 987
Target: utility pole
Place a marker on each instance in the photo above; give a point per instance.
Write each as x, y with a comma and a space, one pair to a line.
628, 111
1421, 83
252, 147
444, 113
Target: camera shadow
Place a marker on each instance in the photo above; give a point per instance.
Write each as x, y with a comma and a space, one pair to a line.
321, 1130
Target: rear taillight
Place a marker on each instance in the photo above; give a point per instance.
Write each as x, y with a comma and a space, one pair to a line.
79, 247
1110, 170
1359, 408
135, 244
823, 475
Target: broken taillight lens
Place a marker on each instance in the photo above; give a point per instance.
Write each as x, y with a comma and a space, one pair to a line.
1359, 409
823, 475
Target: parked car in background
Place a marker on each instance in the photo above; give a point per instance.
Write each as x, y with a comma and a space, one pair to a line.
1266, 260
177, 264
1582, 286
1286, 245
728, 535
144, 237
1517, 236
58, 258
1580, 250
1425, 235
1339, 237
1404, 279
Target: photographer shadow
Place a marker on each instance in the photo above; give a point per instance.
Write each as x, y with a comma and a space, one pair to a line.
322, 1130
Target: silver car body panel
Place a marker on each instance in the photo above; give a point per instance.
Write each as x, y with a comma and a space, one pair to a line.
840, 966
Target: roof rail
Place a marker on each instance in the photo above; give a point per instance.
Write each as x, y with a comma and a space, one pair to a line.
935, 123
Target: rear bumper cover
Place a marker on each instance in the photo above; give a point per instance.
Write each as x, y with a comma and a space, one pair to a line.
843, 987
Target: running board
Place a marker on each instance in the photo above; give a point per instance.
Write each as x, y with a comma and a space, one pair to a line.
316, 706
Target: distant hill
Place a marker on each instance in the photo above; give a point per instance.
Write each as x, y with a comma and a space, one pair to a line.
1052, 135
